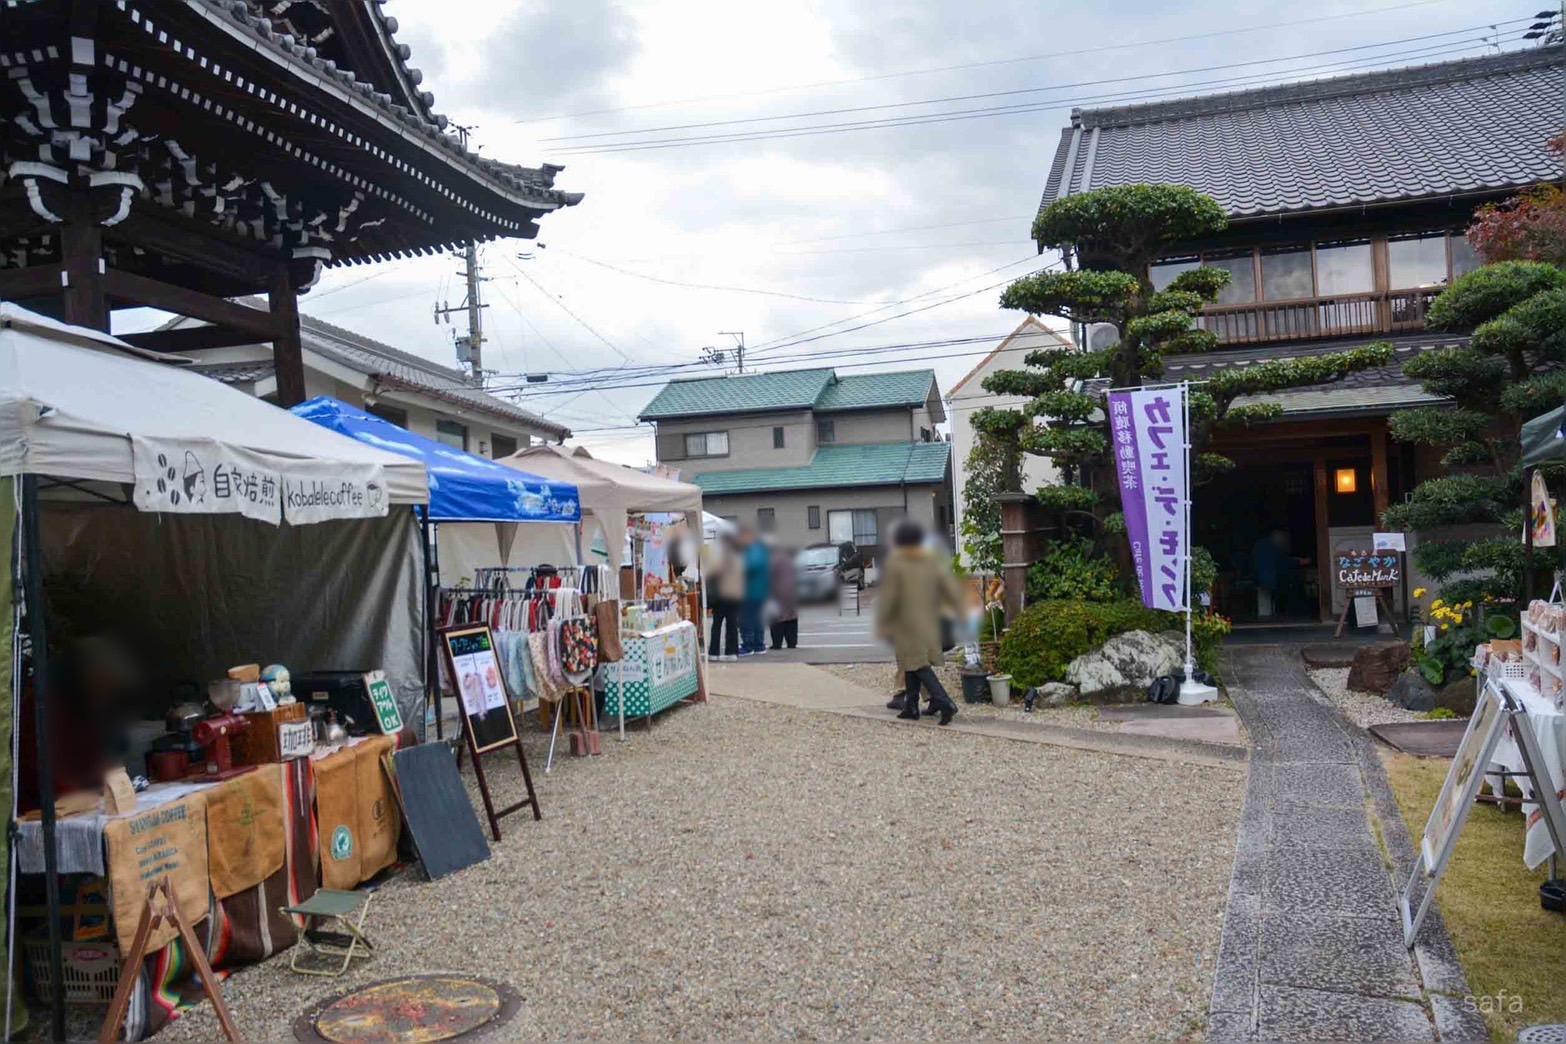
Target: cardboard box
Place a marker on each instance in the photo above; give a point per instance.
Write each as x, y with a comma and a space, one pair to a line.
275, 735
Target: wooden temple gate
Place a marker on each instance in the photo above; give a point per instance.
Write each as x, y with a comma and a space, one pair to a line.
179, 154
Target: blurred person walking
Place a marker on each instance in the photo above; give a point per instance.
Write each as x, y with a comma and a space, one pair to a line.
758, 586
785, 600
916, 589
725, 594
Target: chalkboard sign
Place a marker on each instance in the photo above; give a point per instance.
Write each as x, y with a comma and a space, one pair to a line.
445, 830
1367, 570
480, 685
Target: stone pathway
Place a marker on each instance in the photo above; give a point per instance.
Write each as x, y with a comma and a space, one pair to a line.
1312, 946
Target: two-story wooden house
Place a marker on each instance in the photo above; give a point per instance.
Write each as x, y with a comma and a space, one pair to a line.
810, 456
1347, 200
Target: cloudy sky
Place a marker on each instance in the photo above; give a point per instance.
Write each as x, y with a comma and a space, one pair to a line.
806, 235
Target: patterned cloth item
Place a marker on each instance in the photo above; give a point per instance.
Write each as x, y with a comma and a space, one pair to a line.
544, 685
578, 649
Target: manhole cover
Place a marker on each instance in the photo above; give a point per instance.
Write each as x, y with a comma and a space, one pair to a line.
418, 1008
1546, 1034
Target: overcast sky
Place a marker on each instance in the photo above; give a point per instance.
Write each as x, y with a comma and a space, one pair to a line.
842, 218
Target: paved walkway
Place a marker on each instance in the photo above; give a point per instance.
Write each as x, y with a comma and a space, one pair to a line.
1312, 946
809, 688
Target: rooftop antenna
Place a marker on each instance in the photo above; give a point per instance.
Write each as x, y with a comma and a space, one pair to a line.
718, 356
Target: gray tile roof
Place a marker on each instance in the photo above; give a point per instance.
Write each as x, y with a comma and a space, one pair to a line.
1478, 125
530, 185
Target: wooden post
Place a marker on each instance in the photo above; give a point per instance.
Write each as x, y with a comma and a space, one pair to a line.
1378, 472
1323, 542
287, 350
81, 255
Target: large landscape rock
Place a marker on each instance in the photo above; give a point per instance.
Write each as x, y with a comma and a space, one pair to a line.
1376, 666
1413, 692
1122, 669
1057, 694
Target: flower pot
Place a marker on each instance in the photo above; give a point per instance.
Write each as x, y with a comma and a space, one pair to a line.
1000, 689
975, 687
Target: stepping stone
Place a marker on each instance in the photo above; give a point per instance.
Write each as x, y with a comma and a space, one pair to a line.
1320, 657
1290, 1013
1326, 951
1140, 711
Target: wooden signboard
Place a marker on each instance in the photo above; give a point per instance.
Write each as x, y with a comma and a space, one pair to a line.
485, 705
1371, 573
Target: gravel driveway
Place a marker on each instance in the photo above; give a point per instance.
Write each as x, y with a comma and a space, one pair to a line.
748, 870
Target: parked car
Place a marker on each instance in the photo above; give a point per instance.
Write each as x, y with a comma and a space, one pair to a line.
816, 568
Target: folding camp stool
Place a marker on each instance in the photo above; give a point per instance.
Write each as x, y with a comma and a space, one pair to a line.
336, 908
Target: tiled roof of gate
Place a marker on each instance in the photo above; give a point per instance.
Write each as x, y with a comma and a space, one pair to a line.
1451, 128
834, 467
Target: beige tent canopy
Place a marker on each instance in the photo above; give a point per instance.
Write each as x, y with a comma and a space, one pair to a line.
609, 492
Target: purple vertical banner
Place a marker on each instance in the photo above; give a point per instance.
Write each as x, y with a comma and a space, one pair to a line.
1148, 430
1128, 471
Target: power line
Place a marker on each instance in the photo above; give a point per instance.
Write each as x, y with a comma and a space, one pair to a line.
1013, 92
710, 286
925, 119
1073, 53
583, 323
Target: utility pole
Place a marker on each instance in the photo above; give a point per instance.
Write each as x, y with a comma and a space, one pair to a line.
717, 356
470, 349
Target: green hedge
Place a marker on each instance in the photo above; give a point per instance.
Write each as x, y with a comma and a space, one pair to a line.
1047, 636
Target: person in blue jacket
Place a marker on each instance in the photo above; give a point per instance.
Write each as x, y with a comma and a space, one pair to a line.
758, 587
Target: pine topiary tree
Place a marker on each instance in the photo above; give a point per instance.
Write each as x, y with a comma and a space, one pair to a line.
1508, 372
1118, 233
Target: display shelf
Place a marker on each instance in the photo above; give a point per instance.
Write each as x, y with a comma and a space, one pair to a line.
1549, 636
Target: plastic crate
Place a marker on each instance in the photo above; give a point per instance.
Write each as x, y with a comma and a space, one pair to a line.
91, 969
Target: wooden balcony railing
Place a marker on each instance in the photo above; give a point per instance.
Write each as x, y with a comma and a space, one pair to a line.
1345, 315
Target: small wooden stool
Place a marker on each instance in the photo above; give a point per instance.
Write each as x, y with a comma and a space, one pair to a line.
337, 908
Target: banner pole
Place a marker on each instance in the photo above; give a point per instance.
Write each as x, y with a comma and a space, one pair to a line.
1185, 405
1191, 691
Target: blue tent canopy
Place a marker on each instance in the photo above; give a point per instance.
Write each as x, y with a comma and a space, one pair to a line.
464, 487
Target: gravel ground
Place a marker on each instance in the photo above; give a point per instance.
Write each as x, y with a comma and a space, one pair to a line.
878, 676
746, 871
1362, 708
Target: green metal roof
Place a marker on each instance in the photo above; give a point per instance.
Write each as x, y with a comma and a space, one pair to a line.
835, 467
873, 390
751, 393
821, 390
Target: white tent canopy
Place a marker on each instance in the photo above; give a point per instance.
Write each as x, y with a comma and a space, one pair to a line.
74, 404
608, 492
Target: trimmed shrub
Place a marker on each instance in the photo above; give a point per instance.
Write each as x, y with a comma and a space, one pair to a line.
1047, 636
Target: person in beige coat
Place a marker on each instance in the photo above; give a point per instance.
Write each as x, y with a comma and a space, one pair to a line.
915, 589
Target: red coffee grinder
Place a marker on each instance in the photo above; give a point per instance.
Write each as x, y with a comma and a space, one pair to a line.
215, 736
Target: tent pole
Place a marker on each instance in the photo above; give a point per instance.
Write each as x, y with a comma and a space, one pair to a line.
32, 580
1528, 474
431, 602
